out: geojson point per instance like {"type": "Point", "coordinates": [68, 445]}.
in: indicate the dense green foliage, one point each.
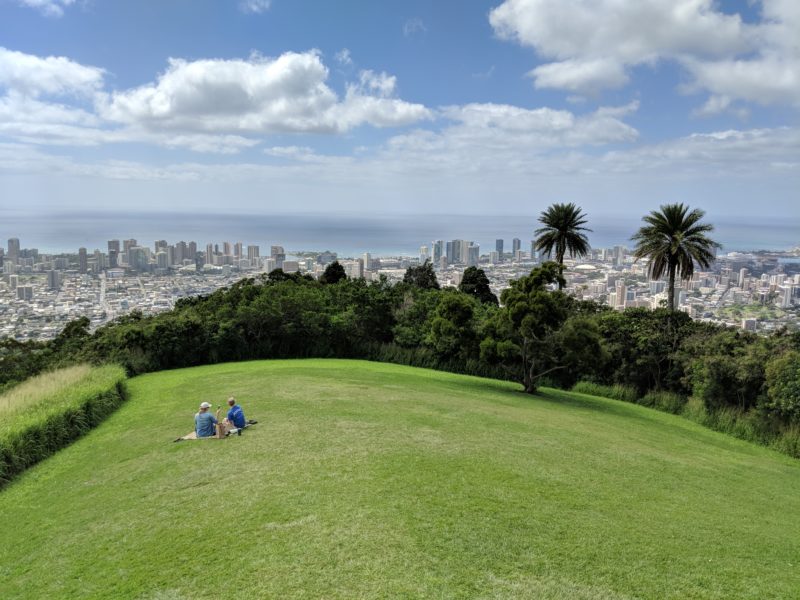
{"type": "Point", "coordinates": [474, 282]}
{"type": "Point", "coordinates": [367, 480]}
{"type": "Point", "coordinates": [53, 409]}
{"type": "Point", "coordinates": [538, 336]}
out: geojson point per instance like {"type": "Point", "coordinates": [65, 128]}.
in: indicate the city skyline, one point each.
{"type": "Point", "coordinates": [411, 108]}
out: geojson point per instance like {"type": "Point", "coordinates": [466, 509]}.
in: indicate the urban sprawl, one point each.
{"type": "Point", "coordinates": [40, 293]}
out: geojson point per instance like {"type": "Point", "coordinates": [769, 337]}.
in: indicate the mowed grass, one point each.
{"type": "Point", "coordinates": [366, 480]}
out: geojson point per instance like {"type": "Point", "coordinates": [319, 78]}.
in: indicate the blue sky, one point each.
{"type": "Point", "coordinates": [467, 107]}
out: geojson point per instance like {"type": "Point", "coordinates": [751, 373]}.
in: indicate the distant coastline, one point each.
{"type": "Point", "coordinates": [350, 234]}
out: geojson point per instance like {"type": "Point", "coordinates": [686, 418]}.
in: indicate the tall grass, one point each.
{"type": "Point", "coordinates": [49, 411]}
{"type": "Point", "coordinates": [39, 389]}
{"type": "Point", "coordinates": [616, 391]}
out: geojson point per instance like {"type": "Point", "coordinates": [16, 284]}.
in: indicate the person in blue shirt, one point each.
{"type": "Point", "coordinates": [236, 414]}
{"type": "Point", "coordinates": [205, 424]}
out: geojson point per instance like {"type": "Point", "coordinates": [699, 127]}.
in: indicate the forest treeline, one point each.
{"type": "Point", "coordinates": [537, 335]}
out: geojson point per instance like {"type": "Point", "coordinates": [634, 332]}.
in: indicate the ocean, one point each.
{"type": "Point", "coordinates": [349, 234]}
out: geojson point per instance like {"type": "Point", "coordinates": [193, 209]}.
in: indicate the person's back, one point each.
{"type": "Point", "coordinates": [236, 414]}
{"type": "Point", "coordinates": [204, 422]}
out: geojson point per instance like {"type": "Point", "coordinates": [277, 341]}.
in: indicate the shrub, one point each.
{"type": "Point", "coordinates": [788, 442]}
{"type": "Point", "coordinates": [664, 401]}
{"type": "Point", "coordinates": [616, 391]}
{"type": "Point", "coordinates": [695, 410]}
{"type": "Point", "coordinates": [51, 410]}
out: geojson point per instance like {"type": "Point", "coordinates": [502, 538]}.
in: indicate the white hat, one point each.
{"type": "Point", "coordinates": [205, 405]}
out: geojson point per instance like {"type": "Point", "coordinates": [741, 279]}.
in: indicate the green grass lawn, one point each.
{"type": "Point", "coordinates": [367, 480]}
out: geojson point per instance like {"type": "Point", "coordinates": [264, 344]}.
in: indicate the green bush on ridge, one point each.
{"type": "Point", "coordinates": [51, 410]}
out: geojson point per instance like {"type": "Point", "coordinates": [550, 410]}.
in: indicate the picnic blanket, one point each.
{"type": "Point", "coordinates": [222, 433]}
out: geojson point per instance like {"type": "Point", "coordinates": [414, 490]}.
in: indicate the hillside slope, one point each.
{"type": "Point", "coordinates": [375, 480]}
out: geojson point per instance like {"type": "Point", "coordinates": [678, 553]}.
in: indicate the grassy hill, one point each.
{"type": "Point", "coordinates": [376, 480]}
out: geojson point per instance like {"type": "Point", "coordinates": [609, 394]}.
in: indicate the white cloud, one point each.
{"type": "Point", "coordinates": [49, 8]}
{"type": "Point", "coordinates": [57, 75]}
{"type": "Point", "coordinates": [414, 26]}
{"type": "Point", "coordinates": [593, 44]}
{"type": "Point", "coordinates": [343, 57]}
{"type": "Point", "coordinates": [256, 7]}
{"type": "Point", "coordinates": [259, 95]}
{"type": "Point", "coordinates": [586, 76]}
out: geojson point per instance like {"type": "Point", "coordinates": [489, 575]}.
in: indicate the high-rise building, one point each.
{"type": "Point", "coordinates": [237, 250]}
{"type": "Point", "coordinates": [278, 254]}
{"type": "Point", "coordinates": [742, 276]}
{"type": "Point", "coordinates": [494, 257]}
{"type": "Point", "coordinates": [83, 263]}
{"type": "Point", "coordinates": [226, 249]}
{"type": "Point", "coordinates": [423, 254]}
{"type": "Point", "coordinates": [450, 252]}
{"type": "Point", "coordinates": [13, 281]}
{"type": "Point", "coordinates": [253, 253]}
{"type": "Point", "coordinates": [367, 259]}
{"type": "Point", "coordinates": [181, 251]}
{"type": "Point", "coordinates": [621, 293]}
{"type": "Point", "coordinates": [99, 262]}
{"type": "Point", "coordinates": [462, 251]}
{"type": "Point", "coordinates": [192, 250]}
{"type": "Point", "coordinates": [113, 254]}
{"type": "Point", "coordinates": [533, 251]}
{"type": "Point", "coordinates": [619, 256]}
{"type": "Point", "coordinates": [473, 255]}
{"type": "Point", "coordinates": [128, 244]}
{"type": "Point", "coordinates": [209, 254]}
{"type": "Point", "coordinates": [516, 244]}
{"type": "Point", "coordinates": [53, 279]}
{"type": "Point", "coordinates": [162, 260]}
{"type": "Point", "coordinates": [498, 247]}
{"type": "Point", "coordinates": [139, 258]}
{"type": "Point", "coordinates": [324, 258]}
{"type": "Point", "coordinates": [13, 249]}
{"type": "Point", "coordinates": [2, 256]}
{"type": "Point", "coordinates": [160, 246]}
{"type": "Point", "coordinates": [24, 292]}
{"type": "Point", "coordinates": [438, 251]}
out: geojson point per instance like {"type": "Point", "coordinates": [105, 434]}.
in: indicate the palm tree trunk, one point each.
{"type": "Point", "coordinates": [671, 288]}
{"type": "Point", "coordinates": [560, 261]}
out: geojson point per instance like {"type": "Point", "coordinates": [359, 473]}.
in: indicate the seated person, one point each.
{"type": "Point", "coordinates": [235, 414]}
{"type": "Point", "coordinates": [205, 424]}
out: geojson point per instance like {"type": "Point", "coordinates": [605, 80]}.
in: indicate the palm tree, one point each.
{"type": "Point", "coordinates": [674, 240]}
{"type": "Point", "coordinates": [562, 233]}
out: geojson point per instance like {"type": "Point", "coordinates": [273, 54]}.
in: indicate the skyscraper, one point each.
{"type": "Point", "coordinates": [498, 246]}
{"type": "Point", "coordinates": [278, 254]}
{"type": "Point", "coordinates": [13, 249]}
{"type": "Point", "coordinates": [209, 254]}
{"type": "Point", "coordinates": [516, 244]}
{"type": "Point", "coordinates": [53, 279]}
{"type": "Point", "coordinates": [226, 248]}
{"type": "Point", "coordinates": [128, 244]}
{"type": "Point", "coordinates": [113, 254]}
{"type": "Point", "coordinates": [473, 255]}
{"type": "Point", "coordinates": [181, 252]}
{"type": "Point", "coordinates": [237, 250]}
{"type": "Point", "coordinates": [83, 263]}
{"type": "Point", "coordinates": [253, 253]}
